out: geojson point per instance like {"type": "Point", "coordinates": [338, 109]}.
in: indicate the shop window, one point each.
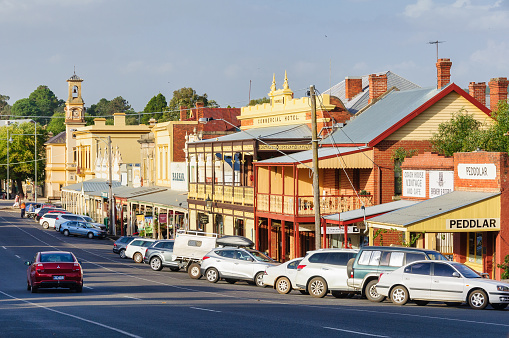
{"type": "Point", "coordinates": [475, 247]}
{"type": "Point", "coordinates": [239, 227]}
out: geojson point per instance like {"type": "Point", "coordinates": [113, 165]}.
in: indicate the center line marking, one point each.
{"type": "Point", "coordinates": [133, 298]}
{"type": "Point", "coordinates": [4, 247]}
{"type": "Point", "coordinates": [17, 256]}
{"type": "Point", "coordinates": [355, 332]}
{"type": "Point", "coordinates": [202, 309]}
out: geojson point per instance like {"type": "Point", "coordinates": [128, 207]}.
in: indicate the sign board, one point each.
{"type": "Point", "coordinates": [163, 218]}
{"type": "Point", "coordinates": [178, 176]}
{"type": "Point", "coordinates": [476, 171]}
{"type": "Point", "coordinates": [340, 230]}
{"type": "Point", "coordinates": [104, 194]}
{"type": "Point", "coordinates": [414, 183]}
{"type": "Point", "coordinates": [440, 182]}
{"type": "Point", "coordinates": [140, 222]}
{"type": "Point", "coordinates": [203, 218]}
{"type": "Point", "coordinates": [149, 224]}
{"type": "Point", "coordinates": [473, 224]}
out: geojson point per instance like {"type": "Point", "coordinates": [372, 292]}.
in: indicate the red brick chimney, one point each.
{"type": "Point", "coordinates": [443, 72]}
{"type": "Point", "coordinates": [498, 91]}
{"type": "Point", "coordinates": [199, 110]}
{"type": "Point", "coordinates": [377, 86]}
{"type": "Point", "coordinates": [183, 113]}
{"type": "Point", "coordinates": [353, 86]}
{"type": "Point", "coordinates": [478, 91]}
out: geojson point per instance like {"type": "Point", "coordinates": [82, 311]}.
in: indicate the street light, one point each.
{"type": "Point", "coordinates": [9, 140]}
{"type": "Point", "coordinates": [110, 176]}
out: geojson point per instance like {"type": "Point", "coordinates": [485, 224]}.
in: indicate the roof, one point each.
{"type": "Point", "coordinates": [361, 100]}
{"type": "Point", "coordinates": [127, 192]}
{"type": "Point", "coordinates": [91, 185]}
{"type": "Point", "coordinates": [20, 121]}
{"type": "Point", "coordinates": [164, 198]}
{"type": "Point", "coordinates": [218, 114]}
{"type": "Point", "coordinates": [432, 207]}
{"type": "Point", "coordinates": [307, 155]}
{"type": "Point", "coordinates": [301, 131]}
{"type": "Point", "coordinates": [75, 77]}
{"type": "Point", "coordinates": [369, 211]}
{"type": "Point", "coordinates": [60, 138]}
{"type": "Point", "coordinates": [392, 112]}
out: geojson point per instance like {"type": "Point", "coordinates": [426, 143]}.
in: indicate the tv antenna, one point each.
{"type": "Point", "coordinates": [436, 43]}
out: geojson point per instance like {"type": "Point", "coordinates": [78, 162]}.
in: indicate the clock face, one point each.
{"type": "Point", "coordinates": [75, 113]}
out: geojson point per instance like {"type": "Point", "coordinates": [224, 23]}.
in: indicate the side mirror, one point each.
{"type": "Point", "coordinates": [28, 263]}
{"type": "Point", "coordinates": [455, 274]}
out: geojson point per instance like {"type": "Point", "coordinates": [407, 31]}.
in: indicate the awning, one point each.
{"type": "Point", "coordinates": [458, 211]}
{"type": "Point", "coordinates": [358, 215]}
{"type": "Point", "coordinates": [170, 199]}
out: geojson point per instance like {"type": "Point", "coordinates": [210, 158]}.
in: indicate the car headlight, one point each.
{"type": "Point", "coordinates": [503, 288]}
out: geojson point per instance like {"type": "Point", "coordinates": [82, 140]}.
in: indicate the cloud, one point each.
{"type": "Point", "coordinates": [418, 9]}
{"type": "Point", "coordinates": [494, 55]}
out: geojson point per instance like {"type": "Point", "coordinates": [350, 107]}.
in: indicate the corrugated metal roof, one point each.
{"type": "Point", "coordinates": [307, 155]}
{"type": "Point", "coordinates": [165, 198]}
{"type": "Point", "coordinates": [361, 100]}
{"type": "Point", "coordinates": [370, 211]}
{"type": "Point", "coordinates": [381, 116]}
{"type": "Point", "coordinates": [432, 207]}
{"type": "Point", "coordinates": [94, 184]}
{"type": "Point", "coordinates": [301, 131]}
{"type": "Point", "coordinates": [127, 192]}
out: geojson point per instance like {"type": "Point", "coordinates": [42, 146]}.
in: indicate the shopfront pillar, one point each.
{"type": "Point", "coordinates": [283, 241]}
{"type": "Point", "coordinates": [269, 236]}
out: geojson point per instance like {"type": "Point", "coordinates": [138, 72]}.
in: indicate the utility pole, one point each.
{"type": "Point", "coordinates": [316, 182]}
{"type": "Point", "coordinates": [111, 221]}
{"type": "Point", "coordinates": [35, 161]}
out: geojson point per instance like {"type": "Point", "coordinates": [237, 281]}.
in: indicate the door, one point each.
{"type": "Point", "coordinates": [334, 271]}
{"type": "Point", "coordinates": [417, 279]}
{"type": "Point", "coordinates": [444, 285]}
{"type": "Point", "coordinates": [244, 265]}
{"type": "Point", "coordinates": [225, 263]}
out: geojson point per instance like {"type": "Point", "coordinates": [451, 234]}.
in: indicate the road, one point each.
{"type": "Point", "coordinates": [122, 298]}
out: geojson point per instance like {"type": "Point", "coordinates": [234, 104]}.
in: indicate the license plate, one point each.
{"type": "Point", "coordinates": [58, 277]}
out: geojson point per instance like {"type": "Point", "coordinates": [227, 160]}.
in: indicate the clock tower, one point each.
{"type": "Point", "coordinates": [74, 119]}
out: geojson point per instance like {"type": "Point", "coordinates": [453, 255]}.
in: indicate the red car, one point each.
{"type": "Point", "coordinates": [54, 269]}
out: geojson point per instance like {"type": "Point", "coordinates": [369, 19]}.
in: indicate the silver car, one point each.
{"type": "Point", "coordinates": [234, 264]}
{"type": "Point", "coordinates": [81, 229]}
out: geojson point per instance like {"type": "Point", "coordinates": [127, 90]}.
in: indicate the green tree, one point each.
{"type": "Point", "coordinates": [57, 123]}
{"type": "Point", "coordinates": [99, 109]}
{"type": "Point", "coordinates": [25, 108]}
{"type": "Point", "coordinates": [105, 108]}
{"type": "Point", "coordinates": [5, 108]}
{"type": "Point", "coordinates": [45, 100]}
{"type": "Point", "coordinates": [185, 97]}
{"type": "Point", "coordinates": [254, 102]}
{"type": "Point", "coordinates": [156, 104]}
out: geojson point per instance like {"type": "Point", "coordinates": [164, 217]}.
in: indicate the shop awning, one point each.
{"type": "Point", "coordinates": [357, 215]}
{"type": "Point", "coordinates": [170, 199]}
{"type": "Point", "coordinates": [458, 211]}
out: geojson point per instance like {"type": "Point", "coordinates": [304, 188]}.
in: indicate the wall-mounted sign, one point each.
{"type": "Point", "coordinates": [440, 183]}
{"type": "Point", "coordinates": [163, 218]}
{"type": "Point", "coordinates": [284, 147]}
{"type": "Point", "coordinates": [340, 229]}
{"type": "Point", "coordinates": [476, 171]}
{"type": "Point", "coordinates": [414, 183]}
{"type": "Point", "coordinates": [473, 224]}
{"type": "Point", "coordinates": [178, 176]}
{"type": "Point", "coordinates": [281, 119]}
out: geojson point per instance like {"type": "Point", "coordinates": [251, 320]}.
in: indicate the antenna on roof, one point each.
{"type": "Point", "coordinates": [436, 43]}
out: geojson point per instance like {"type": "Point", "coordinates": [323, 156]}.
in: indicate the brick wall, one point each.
{"type": "Point", "coordinates": [478, 91]}
{"type": "Point", "coordinates": [377, 86]}
{"type": "Point", "coordinates": [386, 237]}
{"type": "Point", "coordinates": [353, 86]}
{"type": "Point", "coordinates": [480, 157]}
{"type": "Point", "coordinates": [498, 91]}
{"type": "Point", "coordinates": [179, 140]}
{"type": "Point", "coordinates": [427, 161]}
{"type": "Point", "coordinates": [443, 72]}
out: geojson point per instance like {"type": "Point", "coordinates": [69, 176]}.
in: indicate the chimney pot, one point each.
{"type": "Point", "coordinates": [478, 91]}
{"type": "Point", "coordinates": [183, 113]}
{"type": "Point", "coordinates": [353, 86]}
{"type": "Point", "coordinates": [498, 91]}
{"type": "Point", "coordinates": [443, 72]}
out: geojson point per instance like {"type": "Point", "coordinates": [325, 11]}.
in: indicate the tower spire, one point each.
{"type": "Point", "coordinates": [273, 87]}
{"type": "Point", "coordinates": [285, 84]}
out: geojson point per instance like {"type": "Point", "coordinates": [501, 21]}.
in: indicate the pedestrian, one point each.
{"type": "Point", "coordinates": [23, 206]}
{"type": "Point", "coordinates": [16, 202]}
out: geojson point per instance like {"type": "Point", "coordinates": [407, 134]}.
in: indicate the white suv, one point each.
{"type": "Point", "coordinates": [325, 270]}
{"type": "Point", "coordinates": [62, 218]}
{"type": "Point", "coordinates": [136, 249]}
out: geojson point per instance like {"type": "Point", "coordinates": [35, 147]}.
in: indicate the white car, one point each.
{"type": "Point", "coordinates": [449, 282]}
{"type": "Point", "coordinates": [48, 220]}
{"type": "Point", "coordinates": [62, 218]}
{"type": "Point", "coordinates": [282, 277]}
{"type": "Point", "coordinates": [136, 249]}
{"type": "Point", "coordinates": [325, 270]}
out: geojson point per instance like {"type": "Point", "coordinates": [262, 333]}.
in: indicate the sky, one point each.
{"type": "Point", "coordinates": [230, 49]}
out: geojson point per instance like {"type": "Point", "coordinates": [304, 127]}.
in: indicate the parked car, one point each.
{"type": "Point", "coordinates": [45, 210]}
{"type": "Point", "coordinates": [324, 270]}
{"type": "Point", "coordinates": [120, 244]}
{"type": "Point", "coordinates": [30, 208]}
{"type": "Point", "coordinates": [62, 218]}
{"type": "Point", "coordinates": [449, 282]}
{"type": "Point", "coordinates": [48, 220]}
{"type": "Point", "coordinates": [81, 229]}
{"type": "Point", "coordinates": [159, 254]}
{"type": "Point", "coordinates": [363, 272]}
{"type": "Point", "coordinates": [54, 269]}
{"type": "Point", "coordinates": [233, 264]}
{"type": "Point", "coordinates": [136, 249]}
{"type": "Point", "coordinates": [282, 277]}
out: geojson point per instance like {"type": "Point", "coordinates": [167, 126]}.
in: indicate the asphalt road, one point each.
{"type": "Point", "coordinates": [122, 298]}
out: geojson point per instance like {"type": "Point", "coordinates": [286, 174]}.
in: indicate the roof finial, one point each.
{"type": "Point", "coordinates": [273, 87]}
{"type": "Point", "coordinates": [285, 85]}
{"type": "Point", "coordinates": [74, 69]}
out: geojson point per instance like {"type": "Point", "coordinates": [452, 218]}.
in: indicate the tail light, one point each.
{"type": "Point", "coordinates": [115, 245]}
{"type": "Point", "coordinates": [351, 273]}
{"type": "Point", "coordinates": [204, 258]}
{"type": "Point", "coordinates": [77, 267]}
{"type": "Point", "coordinates": [300, 267]}
{"type": "Point", "coordinates": [40, 267]}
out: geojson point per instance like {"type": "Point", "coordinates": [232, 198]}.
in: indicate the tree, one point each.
{"type": "Point", "coordinates": [5, 108]}
{"type": "Point", "coordinates": [57, 123]}
{"type": "Point", "coordinates": [41, 102]}
{"type": "Point", "coordinates": [156, 104]}
{"type": "Point", "coordinates": [25, 108]}
{"type": "Point", "coordinates": [254, 102]}
{"type": "Point", "coordinates": [185, 97]}
{"type": "Point", "coordinates": [107, 109]}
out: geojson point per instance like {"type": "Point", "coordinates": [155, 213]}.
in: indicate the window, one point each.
{"type": "Point", "coordinates": [137, 242]}
{"type": "Point", "coordinates": [443, 270]}
{"type": "Point", "coordinates": [365, 257]}
{"type": "Point", "coordinates": [414, 256]}
{"type": "Point", "coordinates": [419, 269]}
{"type": "Point", "coordinates": [475, 247]}
{"type": "Point", "coordinates": [375, 258]}
{"type": "Point", "coordinates": [466, 271]}
{"type": "Point", "coordinates": [194, 243]}
{"type": "Point", "coordinates": [293, 265]}
{"type": "Point", "coordinates": [397, 259]}
{"type": "Point", "coordinates": [226, 253]}
{"type": "Point", "coordinates": [320, 257]}
{"type": "Point", "coordinates": [339, 258]}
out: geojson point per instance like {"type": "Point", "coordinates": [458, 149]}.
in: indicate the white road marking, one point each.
{"type": "Point", "coordinates": [4, 247]}
{"type": "Point", "coordinates": [72, 316]}
{"type": "Point", "coordinates": [88, 287]}
{"type": "Point", "coordinates": [202, 309]}
{"type": "Point", "coordinates": [133, 298]}
{"type": "Point", "coordinates": [17, 256]}
{"type": "Point", "coordinates": [354, 332]}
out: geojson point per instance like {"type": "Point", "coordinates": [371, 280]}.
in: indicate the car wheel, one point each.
{"type": "Point", "coordinates": [194, 271]}
{"type": "Point", "coordinates": [122, 253]}
{"type": "Point", "coordinates": [259, 279]}
{"type": "Point", "coordinates": [138, 257]}
{"type": "Point", "coordinates": [371, 293]}
{"type": "Point", "coordinates": [90, 235]}
{"type": "Point", "coordinates": [499, 306]}
{"type": "Point", "coordinates": [174, 269]}
{"type": "Point", "coordinates": [34, 289]}
{"type": "Point", "coordinates": [478, 299]}
{"type": "Point", "coordinates": [79, 289]}
{"type": "Point", "coordinates": [212, 275]}
{"type": "Point", "coordinates": [283, 285]}
{"type": "Point", "coordinates": [230, 281]}
{"type": "Point", "coordinates": [399, 295]}
{"type": "Point", "coordinates": [45, 225]}
{"type": "Point", "coordinates": [339, 294]}
{"type": "Point", "coordinates": [304, 292]}
{"type": "Point", "coordinates": [317, 287]}
{"type": "Point", "coordinates": [155, 263]}
{"type": "Point", "coordinates": [421, 302]}
{"type": "Point", "coordinates": [66, 232]}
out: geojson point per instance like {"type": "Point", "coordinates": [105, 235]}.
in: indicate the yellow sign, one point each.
{"type": "Point", "coordinates": [284, 119]}
{"type": "Point", "coordinates": [473, 224]}
{"type": "Point", "coordinates": [285, 147]}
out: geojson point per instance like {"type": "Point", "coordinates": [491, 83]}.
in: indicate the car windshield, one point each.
{"type": "Point", "coordinates": [88, 219]}
{"type": "Point", "coordinates": [260, 257]}
{"type": "Point", "coordinates": [436, 256]}
{"type": "Point", "coordinates": [466, 271]}
{"type": "Point", "coordinates": [56, 257]}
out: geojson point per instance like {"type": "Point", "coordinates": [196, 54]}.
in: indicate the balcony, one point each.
{"type": "Point", "coordinates": [285, 205]}
{"type": "Point", "coordinates": [222, 193]}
